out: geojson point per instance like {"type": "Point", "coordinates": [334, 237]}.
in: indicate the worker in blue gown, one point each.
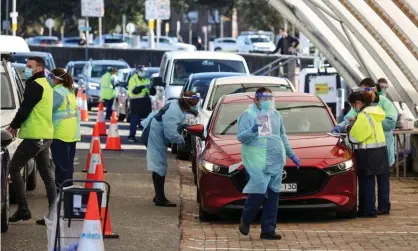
{"type": "Point", "coordinates": [389, 124]}
{"type": "Point", "coordinates": [165, 128]}
{"type": "Point", "coordinates": [264, 150]}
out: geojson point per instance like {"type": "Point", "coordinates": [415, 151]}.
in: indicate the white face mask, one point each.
{"type": "Point", "coordinates": [141, 74]}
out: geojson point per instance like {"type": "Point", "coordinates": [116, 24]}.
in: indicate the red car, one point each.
{"type": "Point", "coordinates": [326, 179]}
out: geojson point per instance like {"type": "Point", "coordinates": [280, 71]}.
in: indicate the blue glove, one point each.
{"type": "Point", "coordinates": [296, 161]}
{"type": "Point", "coordinates": [255, 128]}
{"type": "Point", "coordinates": [336, 129]}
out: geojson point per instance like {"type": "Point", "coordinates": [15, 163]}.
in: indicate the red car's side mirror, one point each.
{"type": "Point", "coordinates": [196, 130]}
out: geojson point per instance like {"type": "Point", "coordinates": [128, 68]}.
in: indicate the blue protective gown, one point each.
{"type": "Point", "coordinates": [161, 134]}
{"type": "Point", "coordinates": [263, 156]}
{"type": "Point", "coordinates": [389, 124]}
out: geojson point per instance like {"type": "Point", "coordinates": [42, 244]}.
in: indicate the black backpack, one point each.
{"type": "Point", "coordinates": [159, 117]}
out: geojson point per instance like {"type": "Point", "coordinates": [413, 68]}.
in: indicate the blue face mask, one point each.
{"type": "Point", "coordinates": [28, 73]}
{"type": "Point", "coordinates": [266, 105]}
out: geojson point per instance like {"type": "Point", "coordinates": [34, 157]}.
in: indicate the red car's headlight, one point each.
{"type": "Point", "coordinates": [340, 168]}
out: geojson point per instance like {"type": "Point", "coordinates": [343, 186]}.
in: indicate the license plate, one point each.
{"type": "Point", "coordinates": [289, 188]}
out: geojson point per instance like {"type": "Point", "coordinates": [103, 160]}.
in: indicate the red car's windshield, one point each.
{"type": "Point", "coordinates": [298, 117]}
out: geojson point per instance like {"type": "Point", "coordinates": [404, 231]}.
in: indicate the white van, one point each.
{"type": "Point", "coordinates": [177, 66]}
{"type": "Point", "coordinates": [13, 44]}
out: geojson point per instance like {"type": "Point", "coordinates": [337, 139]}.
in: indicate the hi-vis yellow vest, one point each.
{"type": "Point", "coordinates": [66, 119]}
{"type": "Point", "coordinates": [39, 123]}
{"type": "Point", "coordinates": [367, 131]}
{"type": "Point", "coordinates": [106, 87]}
{"type": "Point", "coordinates": [134, 82]}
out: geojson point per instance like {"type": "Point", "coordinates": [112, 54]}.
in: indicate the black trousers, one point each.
{"type": "Point", "coordinates": [63, 154]}
{"type": "Point", "coordinates": [28, 149]}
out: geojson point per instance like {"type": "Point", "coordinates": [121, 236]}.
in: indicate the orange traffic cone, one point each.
{"type": "Point", "coordinates": [83, 108]}
{"type": "Point", "coordinates": [91, 236]}
{"type": "Point", "coordinates": [94, 137]}
{"type": "Point", "coordinates": [80, 97]}
{"type": "Point", "coordinates": [101, 120]}
{"type": "Point", "coordinates": [105, 214]}
{"type": "Point", "coordinates": [94, 161]}
{"type": "Point", "coordinates": [113, 139]}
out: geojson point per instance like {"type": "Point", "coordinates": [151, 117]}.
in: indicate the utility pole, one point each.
{"type": "Point", "coordinates": [14, 18]}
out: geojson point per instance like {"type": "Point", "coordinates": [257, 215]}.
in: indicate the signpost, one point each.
{"type": "Point", "coordinates": [130, 27]}
{"type": "Point", "coordinates": [50, 23]}
{"type": "Point", "coordinates": [157, 10]}
{"type": "Point", "coordinates": [93, 8]}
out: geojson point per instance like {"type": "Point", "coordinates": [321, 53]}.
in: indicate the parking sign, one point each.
{"type": "Point", "coordinates": [157, 9]}
{"type": "Point", "coordinates": [92, 8]}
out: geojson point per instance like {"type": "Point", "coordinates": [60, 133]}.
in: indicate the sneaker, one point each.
{"type": "Point", "coordinates": [270, 236]}
{"type": "Point", "coordinates": [132, 140]}
{"type": "Point", "coordinates": [244, 228]}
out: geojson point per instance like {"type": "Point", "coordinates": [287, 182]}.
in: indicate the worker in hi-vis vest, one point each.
{"type": "Point", "coordinates": [139, 100]}
{"type": "Point", "coordinates": [34, 121]}
{"type": "Point", "coordinates": [107, 90]}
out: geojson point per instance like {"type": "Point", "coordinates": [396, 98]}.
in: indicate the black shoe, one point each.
{"type": "Point", "coordinates": [164, 203]}
{"type": "Point", "coordinates": [270, 236]}
{"type": "Point", "coordinates": [41, 222]}
{"type": "Point", "coordinates": [20, 214]}
{"type": "Point", "coordinates": [365, 215]}
{"type": "Point", "coordinates": [382, 212]}
{"type": "Point", "coordinates": [244, 228]}
{"type": "Point", "coordinates": [132, 140]}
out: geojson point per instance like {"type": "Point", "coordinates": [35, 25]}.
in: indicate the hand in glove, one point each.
{"type": "Point", "coordinates": [255, 127]}
{"type": "Point", "coordinates": [137, 90]}
{"type": "Point", "coordinates": [336, 129]}
{"type": "Point", "coordinates": [296, 161]}
{"type": "Point", "coordinates": [182, 127]}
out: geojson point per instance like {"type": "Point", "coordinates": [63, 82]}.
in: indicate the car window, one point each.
{"type": "Point", "coordinates": [222, 90]}
{"type": "Point", "coordinates": [298, 118]}
{"type": "Point", "coordinates": [185, 67]}
{"type": "Point", "coordinates": [229, 41]}
{"type": "Point", "coordinates": [48, 41]}
{"type": "Point", "coordinates": [7, 98]}
{"type": "Point", "coordinates": [200, 86]}
{"type": "Point", "coordinates": [78, 69]}
{"type": "Point", "coordinates": [113, 40]}
{"type": "Point", "coordinates": [259, 40]}
{"type": "Point", "coordinates": [99, 70]}
{"type": "Point", "coordinates": [73, 41]}
{"type": "Point", "coordinates": [22, 59]}
{"type": "Point", "coordinates": [19, 84]}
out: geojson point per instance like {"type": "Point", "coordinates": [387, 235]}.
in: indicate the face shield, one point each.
{"type": "Point", "coordinates": [193, 103]}
{"type": "Point", "coordinates": [265, 100]}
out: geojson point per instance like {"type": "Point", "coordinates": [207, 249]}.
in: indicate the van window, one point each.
{"type": "Point", "coordinates": [185, 67]}
{"type": "Point", "coordinates": [7, 98]}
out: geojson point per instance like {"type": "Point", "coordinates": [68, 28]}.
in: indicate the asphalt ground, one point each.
{"type": "Point", "coordinates": [140, 224]}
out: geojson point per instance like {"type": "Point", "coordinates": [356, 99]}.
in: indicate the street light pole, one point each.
{"type": "Point", "coordinates": [14, 19]}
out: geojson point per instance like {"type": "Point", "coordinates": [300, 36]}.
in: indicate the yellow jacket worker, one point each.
{"type": "Point", "coordinates": [66, 121]}
{"type": "Point", "coordinates": [368, 137]}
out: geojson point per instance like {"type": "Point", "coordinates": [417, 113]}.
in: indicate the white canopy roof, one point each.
{"type": "Point", "coordinates": [364, 38]}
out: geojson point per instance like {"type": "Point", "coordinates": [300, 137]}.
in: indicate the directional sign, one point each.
{"type": "Point", "coordinates": [192, 17]}
{"type": "Point", "coordinates": [157, 9]}
{"type": "Point", "coordinates": [92, 8]}
{"type": "Point", "coordinates": [50, 23]}
{"type": "Point", "coordinates": [130, 28]}
{"type": "Point", "coordinates": [84, 28]}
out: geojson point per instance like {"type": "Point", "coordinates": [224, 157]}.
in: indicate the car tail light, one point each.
{"type": "Point", "coordinates": [43, 43]}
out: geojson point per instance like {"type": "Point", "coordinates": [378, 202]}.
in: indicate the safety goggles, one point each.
{"type": "Point", "coordinates": [193, 97]}
{"type": "Point", "coordinates": [263, 96]}
{"type": "Point", "coordinates": [362, 89]}
{"type": "Point", "coordinates": [53, 76]}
